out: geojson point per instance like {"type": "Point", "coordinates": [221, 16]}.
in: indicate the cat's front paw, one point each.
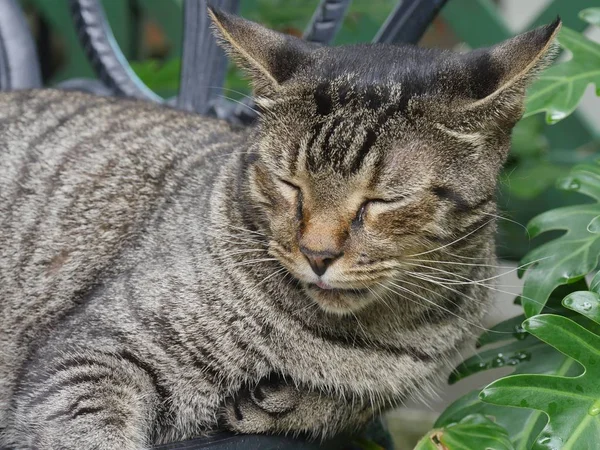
{"type": "Point", "coordinates": [258, 410]}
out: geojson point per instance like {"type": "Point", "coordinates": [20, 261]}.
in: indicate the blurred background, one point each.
{"type": "Point", "coordinates": [149, 33]}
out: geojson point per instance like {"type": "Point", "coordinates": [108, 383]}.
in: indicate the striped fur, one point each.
{"type": "Point", "coordinates": [152, 281]}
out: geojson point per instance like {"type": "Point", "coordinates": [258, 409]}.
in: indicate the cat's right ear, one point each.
{"type": "Point", "coordinates": [270, 58]}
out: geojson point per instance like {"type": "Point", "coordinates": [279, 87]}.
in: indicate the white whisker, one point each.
{"type": "Point", "coordinates": [256, 111]}
{"type": "Point", "coordinates": [453, 242]}
{"type": "Point", "coordinates": [491, 288]}
{"type": "Point", "coordinates": [372, 291]}
{"type": "Point", "coordinates": [277, 272]}
{"type": "Point", "coordinates": [456, 263]}
{"type": "Point", "coordinates": [497, 216]}
{"type": "Point", "coordinates": [251, 261]}
{"type": "Point", "coordinates": [439, 294]}
{"type": "Point", "coordinates": [442, 308]}
{"type": "Point", "coordinates": [224, 255]}
{"type": "Point", "coordinates": [469, 281]}
{"type": "Point", "coordinates": [246, 230]}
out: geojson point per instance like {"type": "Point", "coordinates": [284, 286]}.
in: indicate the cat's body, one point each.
{"type": "Point", "coordinates": [125, 240]}
{"type": "Point", "coordinates": [141, 302]}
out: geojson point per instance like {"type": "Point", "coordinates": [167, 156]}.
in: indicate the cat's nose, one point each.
{"type": "Point", "coordinates": [320, 260]}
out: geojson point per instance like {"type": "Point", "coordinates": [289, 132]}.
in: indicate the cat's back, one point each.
{"type": "Point", "coordinates": [79, 177]}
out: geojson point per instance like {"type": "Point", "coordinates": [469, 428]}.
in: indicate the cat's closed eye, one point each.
{"type": "Point", "coordinates": [293, 194]}
{"type": "Point", "coordinates": [375, 205]}
{"type": "Point", "coordinates": [289, 189]}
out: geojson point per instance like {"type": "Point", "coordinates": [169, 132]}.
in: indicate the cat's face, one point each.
{"type": "Point", "coordinates": [353, 191]}
{"type": "Point", "coordinates": [370, 158]}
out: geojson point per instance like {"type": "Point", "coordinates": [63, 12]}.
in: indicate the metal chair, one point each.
{"type": "Point", "coordinates": [203, 65]}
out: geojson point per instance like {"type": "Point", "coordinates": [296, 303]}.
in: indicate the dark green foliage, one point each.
{"type": "Point", "coordinates": [554, 390]}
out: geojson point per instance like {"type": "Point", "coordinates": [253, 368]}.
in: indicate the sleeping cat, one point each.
{"type": "Point", "coordinates": [163, 275]}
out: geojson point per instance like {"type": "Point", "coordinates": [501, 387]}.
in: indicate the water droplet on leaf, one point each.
{"type": "Point", "coordinates": [555, 116]}
{"type": "Point", "coordinates": [586, 306]}
{"type": "Point", "coordinates": [551, 442]}
{"type": "Point", "coordinates": [499, 361]}
{"type": "Point", "coordinates": [520, 333]}
{"type": "Point", "coordinates": [594, 409]}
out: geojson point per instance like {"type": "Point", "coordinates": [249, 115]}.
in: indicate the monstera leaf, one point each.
{"type": "Point", "coordinates": [472, 432]}
{"type": "Point", "coordinates": [513, 346]}
{"type": "Point", "coordinates": [572, 404]}
{"type": "Point", "coordinates": [571, 256]}
{"type": "Point", "coordinates": [560, 88]}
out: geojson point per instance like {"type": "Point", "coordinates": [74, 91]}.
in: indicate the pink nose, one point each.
{"type": "Point", "coordinates": [319, 260]}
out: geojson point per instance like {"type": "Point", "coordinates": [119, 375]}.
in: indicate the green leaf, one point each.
{"type": "Point", "coordinates": [573, 255]}
{"type": "Point", "coordinates": [545, 359]}
{"type": "Point", "coordinates": [509, 329]}
{"type": "Point", "coordinates": [472, 432]}
{"type": "Point", "coordinates": [523, 425]}
{"type": "Point", "coordinates": [560, 88]}
{"type": "Point", "coordinates": [532, 356]}
{"type": "Point", "coordinates": [527, 355]}
{"type": "Point", "coordinates": [572, 404]}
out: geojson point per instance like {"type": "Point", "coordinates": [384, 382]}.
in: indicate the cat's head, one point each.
{"type": "Point", "coordinates": [371, 156]}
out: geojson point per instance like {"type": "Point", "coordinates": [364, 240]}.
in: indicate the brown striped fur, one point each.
{"type": "Point", "coordinates": [155, 266]}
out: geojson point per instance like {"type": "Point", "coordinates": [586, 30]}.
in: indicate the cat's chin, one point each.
{"type": "Point", "coordinates": [339, 301]}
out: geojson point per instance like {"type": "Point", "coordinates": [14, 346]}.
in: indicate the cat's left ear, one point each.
{"type": "Point", "coordinates": [499, 75]}
{"type": "Point", "coordinates": [269, 57]}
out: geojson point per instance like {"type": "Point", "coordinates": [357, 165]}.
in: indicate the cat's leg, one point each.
{"type": "Point", "coordinates": [85, 399]}
{"type": "Point", "coordinates": [275, 406]}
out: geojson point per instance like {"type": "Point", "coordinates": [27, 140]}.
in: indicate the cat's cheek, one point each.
{"type": "Point", "coordinates": [262, 190]}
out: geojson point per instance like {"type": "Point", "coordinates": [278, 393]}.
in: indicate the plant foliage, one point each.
{"type": "Point", "coordinates": [551, 400]}
{"type": "Point", "coordinates": [574, 254]}
{"type": "Point", "coordinates": [560, 88]}
{"type": "Point", "coordinates": [572, 404]}
{"type": "Point", "coordinates": [512, 346]}
{"type": "Point", "coordinates": [472, 432]}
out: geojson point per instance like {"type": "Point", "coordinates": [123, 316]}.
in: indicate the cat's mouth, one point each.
{"type": "Point", "coordinates": [321, 286]}
{"type": "Point", "coordinates": [336, 300]}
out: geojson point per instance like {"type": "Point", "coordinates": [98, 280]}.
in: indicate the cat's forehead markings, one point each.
{"type": "Point", "coordinates": [348, 90]}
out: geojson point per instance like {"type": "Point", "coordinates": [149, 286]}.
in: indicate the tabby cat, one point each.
{"type": "Point", "coordinates": [163, 275]}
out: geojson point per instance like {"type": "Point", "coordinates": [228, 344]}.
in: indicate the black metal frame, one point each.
{"type": "Point", "coordinates": [203, 69]}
